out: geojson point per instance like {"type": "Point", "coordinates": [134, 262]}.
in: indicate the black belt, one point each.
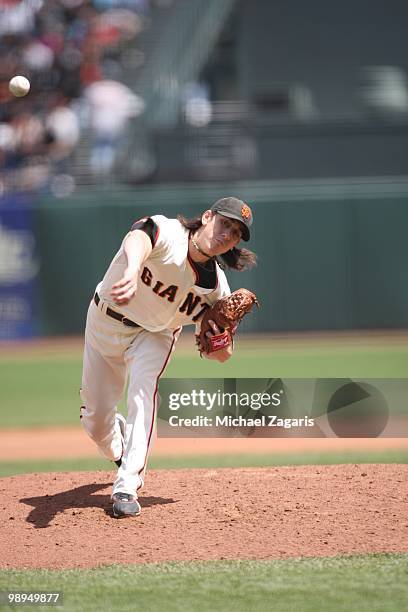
{"type": "Point", "coordinates": [116, 315]}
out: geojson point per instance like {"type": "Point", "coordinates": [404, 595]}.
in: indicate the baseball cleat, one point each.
{"type": "Point", "coordinates": [124, 505]}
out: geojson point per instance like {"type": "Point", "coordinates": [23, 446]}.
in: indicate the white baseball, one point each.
{"type": "Point", "coordinates": [19, 86]}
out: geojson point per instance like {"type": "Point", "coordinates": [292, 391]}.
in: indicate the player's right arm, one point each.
{"type": "Point", "coordinates": [137, 247]}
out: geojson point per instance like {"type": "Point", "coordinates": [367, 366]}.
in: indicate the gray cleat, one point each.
{"type": "Point", "coordinates": [124, 505]}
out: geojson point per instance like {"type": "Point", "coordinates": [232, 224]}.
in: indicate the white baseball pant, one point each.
{"type": "Point", "coordinates": [114, 353]}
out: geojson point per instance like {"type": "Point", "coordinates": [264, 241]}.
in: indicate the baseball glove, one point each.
{"type": "Point", "coordinates": [227, 313]}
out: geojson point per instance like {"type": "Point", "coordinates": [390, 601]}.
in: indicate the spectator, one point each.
{"type": "Point", "coordinates": [63, 132]}
{"type": "Point", "coordinates": [107, 126]}
{"type": "Point", "coordinates": [61, 46]}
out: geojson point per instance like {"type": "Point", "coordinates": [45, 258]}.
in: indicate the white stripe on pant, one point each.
{"type": "Point", "coordinates": [112, 353]}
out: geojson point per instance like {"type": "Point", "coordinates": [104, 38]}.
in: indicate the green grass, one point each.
{"type": "Point", "coordinates": [355, 583]}
{"type": "Point", "coordinates": [316, 361]}
{"type": "Point", "coordinates": [208, 461]}
{"type": "Point", "coordinates": [40, 390]}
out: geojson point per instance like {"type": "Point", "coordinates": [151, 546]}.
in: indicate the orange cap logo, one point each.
{"type": "Point", "coordinates": [245, 212]}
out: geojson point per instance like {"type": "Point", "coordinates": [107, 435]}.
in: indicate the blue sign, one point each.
{"type": "Point", "coordinates": [19, 268]}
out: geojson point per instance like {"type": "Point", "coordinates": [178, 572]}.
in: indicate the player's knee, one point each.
{"type": "Point", "coordinates": [96, 428]}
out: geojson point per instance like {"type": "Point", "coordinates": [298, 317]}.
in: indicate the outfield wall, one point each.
{"type": "Point", "coordinates": [332, 254]}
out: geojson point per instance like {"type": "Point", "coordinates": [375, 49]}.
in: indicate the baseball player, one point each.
{"type": "Point", "coordinates": [166, 273]}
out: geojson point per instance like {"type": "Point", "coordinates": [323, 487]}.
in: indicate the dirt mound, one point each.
{"type": "Point", "coordinates": [64, 520]}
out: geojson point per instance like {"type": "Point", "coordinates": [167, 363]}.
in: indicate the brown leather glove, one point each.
{"type": "Point", "coordinates": [227, 313]}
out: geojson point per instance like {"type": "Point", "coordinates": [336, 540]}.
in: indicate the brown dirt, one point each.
{"type": "Point", "coordinates": [64, 520]}
{"type": "Point", "coordinates": [72, 442]}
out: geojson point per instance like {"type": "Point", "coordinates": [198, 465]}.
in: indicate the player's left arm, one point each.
{"type": "Point", "coordinates": [222, 354]}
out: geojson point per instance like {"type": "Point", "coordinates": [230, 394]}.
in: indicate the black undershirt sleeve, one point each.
{"type": "Point", "coordinates": [148, 226]}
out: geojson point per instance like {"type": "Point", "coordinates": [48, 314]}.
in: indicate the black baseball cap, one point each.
{"type": "Point", "coordinates": [235, 209]}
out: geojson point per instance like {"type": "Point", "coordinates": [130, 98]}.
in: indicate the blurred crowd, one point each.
{"type": "Point", "coordinates": [75, 53]}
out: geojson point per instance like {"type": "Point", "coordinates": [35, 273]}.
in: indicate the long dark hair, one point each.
{"type": "Point", "coordinates": [235, 259]}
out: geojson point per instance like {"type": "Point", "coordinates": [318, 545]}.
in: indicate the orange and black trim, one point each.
{"type": "Point", "coordinates": [148, 226]}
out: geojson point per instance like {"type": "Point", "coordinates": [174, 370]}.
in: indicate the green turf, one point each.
{"type": "Point", "coordinates": [208, 461]}
{"type": "Point", "coordinates": [44, 390]}
{"type": "Point", "coordinates": [303, 362]}
{"type": "Point", "coordinates": [39, 392]}
{"type": "Point", "coordinates": [355, 583]}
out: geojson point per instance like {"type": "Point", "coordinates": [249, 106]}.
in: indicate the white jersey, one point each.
{"type": "Point", "coordinates": [172, 290]}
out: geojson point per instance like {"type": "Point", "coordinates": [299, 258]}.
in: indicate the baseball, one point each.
{"type": "Point", "coordinates": [19, 86]}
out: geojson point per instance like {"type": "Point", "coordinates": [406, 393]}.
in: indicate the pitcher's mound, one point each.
{"type": "Point", "coordinates": [65, 520]}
